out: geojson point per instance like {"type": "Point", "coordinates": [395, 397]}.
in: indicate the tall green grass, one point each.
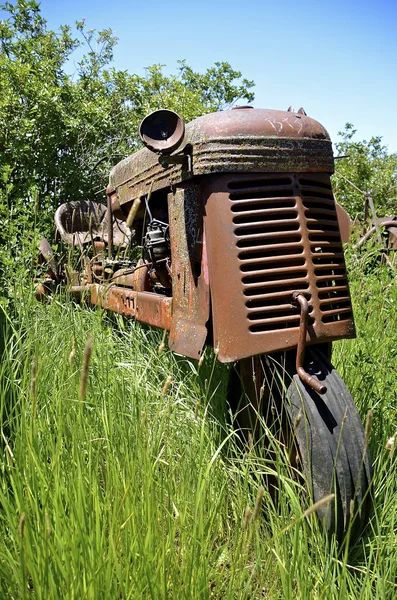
{"type": "Point", "coordinates": [138, 486]}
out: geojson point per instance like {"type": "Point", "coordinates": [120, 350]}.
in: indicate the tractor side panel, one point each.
{"type": "Point", "coordinates": [190, 285]}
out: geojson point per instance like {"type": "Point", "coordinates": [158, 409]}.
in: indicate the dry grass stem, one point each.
{"type": "Point", "coordinates": [162, 343]}
{"type": "Point", "coordinates": [7, 445]}
{"type": "Point", "coordinates": [166, 385]}
{"type": "Point", "coordinates": [258, 503]}
{"type": "Point", "coordinates": [319, 504]}
{"type": "Point", "coordinates": [48, 525]}
{"type": "Point", "coordinates": [390, 444]}
{"type": "Point", "coordinates": [33, 383]}
{"type": "Point", "coordinates": [85, 368]}
{"type": "Point", "coordinates": [34, 378]}
{"type": "Point", "coordinates": [71, 355]}
{"type": "Point", "coordinates": [250, 442]}
{"type": "Point", "coordinates": [201, 359]}
{"type": "Point", "coordinates": [36, 203]}
{"type": "Point", "coordinates": [136, 205]}
{"type": "Point", "coordinates": [246, 518]}
{"type": "Point", "coordinates": [21, 526]}
{"type": "Point", "coordinates": [368, 424]}
{"type": "Point", "coordinates": [351, 509]}
{"type": "Point", "coordinates": [297, 421]}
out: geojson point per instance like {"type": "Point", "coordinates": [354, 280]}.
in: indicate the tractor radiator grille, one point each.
{"type": "Point", "coordinates": [288, 240]}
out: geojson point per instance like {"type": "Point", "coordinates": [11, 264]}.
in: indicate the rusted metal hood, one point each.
{"type": "Point", "coordinates": [256, 123]}
{"type": "Point", "coordinates": [242, 139]}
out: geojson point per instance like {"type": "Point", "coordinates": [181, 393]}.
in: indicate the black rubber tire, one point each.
{"type": "Point", "coordinates": [326, 430]}
{"type": "Point", "coordinates": [332, 448]}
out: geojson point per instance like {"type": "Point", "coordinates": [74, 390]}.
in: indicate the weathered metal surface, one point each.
{"type": "Point", "coordinates": [135, 278]}
{"type": "Point", "coordinates": [190, 285]}
{"type": "Point", "coordinates": [392, 238]}
{"type": "Point", "coordinates": [345, 223]}
{"type": "Point", "coordinates": [83, 222]}
{"type": "Point", "coordinates": [313, 382]}
{"type": "Point", "coordinates": [47, 282]}
{"type": "Point", "coordinates": [390, 223]}
{"type": "Point", "coordinates": [268, 236]}
{"type": "Point", "coordinates": [46, 257]}
{"type": "Point", "coordinates": [231, 141]}
{"type": "Point", "coordinates": [117, 210]}
{"type": "Point", "coordinates": [146, 307]}
{"type": "Point", "coordinates": [162, 131]}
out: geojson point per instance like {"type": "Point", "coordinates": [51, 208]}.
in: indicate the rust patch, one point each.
{"type": "Point", "coordinates": [146, 307]}
{"type": "Point", "coordinates": [190, 287]}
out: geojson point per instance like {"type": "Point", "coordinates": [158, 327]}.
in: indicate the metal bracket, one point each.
{"type": "Point", "coordinates": [182, 158]}
{"type": "Point", "coordinates": [313, 382]}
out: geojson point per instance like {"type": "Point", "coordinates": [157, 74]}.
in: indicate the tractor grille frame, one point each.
{"type": "Point", "coordinates": [282, 235]}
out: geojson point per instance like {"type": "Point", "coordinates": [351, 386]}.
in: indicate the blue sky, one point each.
{"type": "Point", "coordinates": [336, 59]}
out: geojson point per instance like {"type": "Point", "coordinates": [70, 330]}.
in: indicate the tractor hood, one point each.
{"type": "Point", "coordinates": [239, 140]}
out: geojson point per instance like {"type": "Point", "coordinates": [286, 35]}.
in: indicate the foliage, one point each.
{"type": "Point", "coordinates": [371, 169]}
{"type": "Point", "coordinates": [60, 134]}
{"type": "Point", "coordinates": [54, 128]}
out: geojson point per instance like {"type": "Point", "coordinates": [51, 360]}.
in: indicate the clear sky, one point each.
{"type": "Point", "coordinates": [336, 59]}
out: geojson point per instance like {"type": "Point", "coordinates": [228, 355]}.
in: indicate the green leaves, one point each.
{"type": "Point", "coordinates": [216, 85]}
{"type": "Point", "coordinates": [370, 167]}
{"type": "Point", "coordinates": [54, 128]}
{"type": "Point", "coordinates": [60, 135]}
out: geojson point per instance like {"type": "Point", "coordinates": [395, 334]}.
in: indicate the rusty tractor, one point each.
{"type": "Point", "coordinates": [226, 233]}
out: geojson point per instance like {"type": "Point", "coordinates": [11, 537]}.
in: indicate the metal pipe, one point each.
{"type": "Point", "coordinates": [133, 212]}
{"type": "Point", "coordinates": [313, 382]}
{"type": "Point", "coordinates": [387, 224]}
